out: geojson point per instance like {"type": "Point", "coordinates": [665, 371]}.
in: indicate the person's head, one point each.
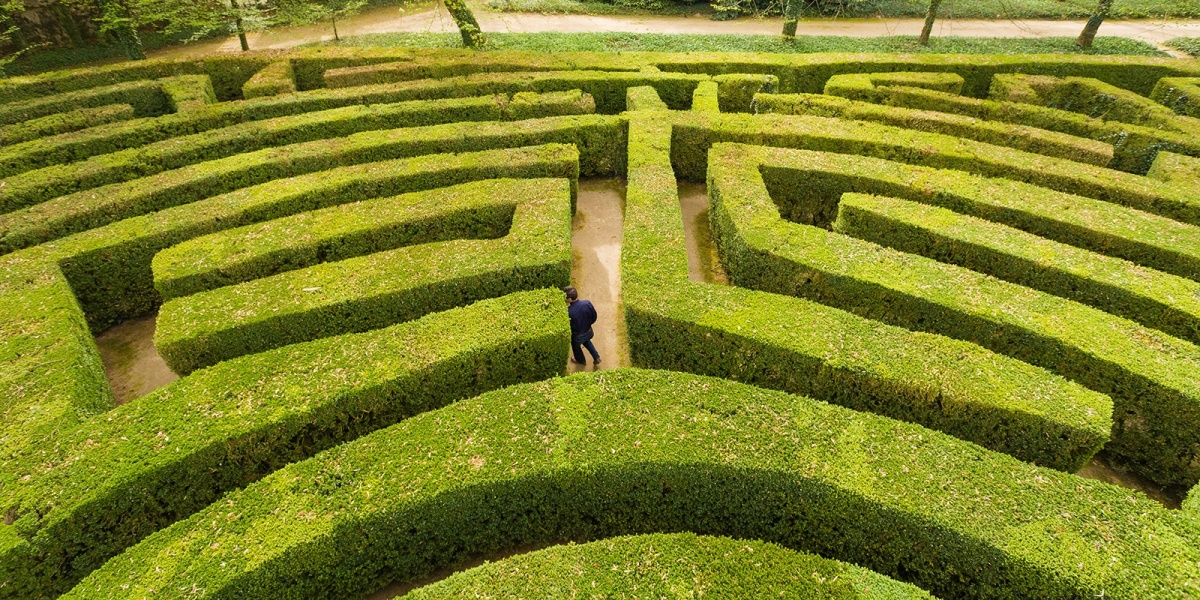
{"type": "Point", "coordinates": [572, 294]}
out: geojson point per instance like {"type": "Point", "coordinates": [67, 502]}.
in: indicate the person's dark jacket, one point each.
{"type": "Point", "coordinates": [583, 315]}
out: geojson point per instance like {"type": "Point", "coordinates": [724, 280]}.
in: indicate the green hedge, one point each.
{"type": "Point", "coordinates": [695, 132]}
{"type": "Point", "coordinates": [377, 290]}
{"type": "Point", "coordinates": [109, 164]}
{"type": "Point", "coordinates": [442, 67]}
{"type": "Point", "coordinates": [706, 98]}
{"type": "Point", "coordinates": [1152, 298]}
{"type": "Point", "coordinates": [272, 80]}
{"type": "Point", "coordinates": [645, 98]}
{"type": "Point", "coordinates": [607, 87]}
{"type": "Point", "coordinates": [600, 139]}
{"type": "Point", "coordinates": [1156, 400]}
{"type": "Point", "coordinates": [110, 267]}
{"type": "Point", "coordinates": [228, 74]}
{"type": "Point", "coordinates": [146, 98]}
{"type": "Point", "coordinates": [806, 348]}
{"type": "Point", "coordinates": [1088, 97]}
{"type": "Point", "coordinates": [336, 233]}
{"type": "Point", "coordinates": [179, 449]}
{"type": "Point", "coordinates": [665, 565]}
{"type": "Point", "coordinates": [1176, 168]}
{"type": "Point", "coordinates": [1102, 227]}
{"type": "Point", "coordinates": [1019, 137]}
{"type": "Point", "coordinates": [50, 125]}
{"type": "Point", "coordinates": [49, 366]}
{"type": "Point", "coordinates": [584, 458]}
{"type": "Point", "coordinates": [188, 93]}
{"type": "Point", "coordinates": [1134, 146]}
{"type": "Point", "coordinates": [1181, 95]}
{"type": "Point", "coordinates": [864, 86]}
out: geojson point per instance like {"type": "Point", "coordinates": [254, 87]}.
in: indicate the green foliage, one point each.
{"type": "Point", "coordinates": [585, 458]}
{"type": "Point", "coordinates": [1019, 137]}
{"type": "Point", "coordinates": [1157, 407]}
{"type": "Point", "coordinates": [146, 97]}
{"type": "Point", "coordinates": [65, 122]}
{"type": "Point", "coordinates": [1181, 95]}
{"type": "Point", "coordinates": [274, 79]}
{"type": "Point", "coordinates": [1153, 298]}
{"type": "Point", "coordinates": [381, 287]}
{"type": "Point", "coordinates": [141, 148]}
{"type": "Point", "coordinates": [827, 353]}
{"type": "Point", "coordinates": [164, 457]}
{"type": "Point", "coordinates": [1183, 44]}
{"type": "Point", "coordinates": [1134, 146]}
{"type": "Point", "coordinates": [600, 137]}
{"type": "Point", "coordinates": [188, 93]}
{"type": "Point", "coordinates": [660, 565]}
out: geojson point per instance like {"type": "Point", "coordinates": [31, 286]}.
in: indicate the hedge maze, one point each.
{"type": "Point", "coordinates": [953, 282]}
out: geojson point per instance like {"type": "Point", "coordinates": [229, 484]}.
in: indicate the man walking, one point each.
{"type": "Point", "coordinates": [583, 315]}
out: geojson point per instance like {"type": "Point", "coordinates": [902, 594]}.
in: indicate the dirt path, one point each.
{"type": "Point", "coordinates": [596, 269]}
{"type": "Point", "coordinates": [435, 19]}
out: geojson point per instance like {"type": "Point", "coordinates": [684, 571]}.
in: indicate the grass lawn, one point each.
{"type": "Point", "coordinates": [662, 42]}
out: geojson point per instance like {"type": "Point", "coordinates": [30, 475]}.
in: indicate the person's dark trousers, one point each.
{"type": "Point", "coordinates": [579, 342]}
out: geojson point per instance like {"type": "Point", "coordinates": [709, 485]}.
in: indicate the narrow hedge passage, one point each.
{"type": "Point", "coordinates": [628, 451]}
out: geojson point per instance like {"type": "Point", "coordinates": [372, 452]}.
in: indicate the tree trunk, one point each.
{"type": "Point", "coordinates": [333, 19]}
{"type": "Point", "coordinates": [472, 35]}
{"type": "Point", "coordinates": [1103, 8]}
{"type": "Point", "coordinates": [791, 15]}
{"type": "Point", "coordinates": [930, 17]}
{"type": "Point", "coordinates": [237, 24]}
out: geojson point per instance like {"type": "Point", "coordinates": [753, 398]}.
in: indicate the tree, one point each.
{"type": "Point", "coordinates": [300, 12]}
{"type": "Point", "coordinates": [9, 32]}
{"type": "Point", "coordinates": [119, 18]}
{"type": "Point", "coordinates": [930, 17]}
{"type": "Point", "coordinates": [472, 35]}
{"type": "Point", "coordinates": [791, 16]}
{"type": "Point", "coordinates": [1103, 8]}
{"type": "Point", "coordinates": [202, 17]}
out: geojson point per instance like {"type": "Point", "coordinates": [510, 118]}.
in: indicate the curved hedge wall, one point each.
{"type": "Point", "coordinates": [665, 565]}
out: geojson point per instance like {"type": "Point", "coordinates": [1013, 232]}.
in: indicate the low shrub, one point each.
{"type": "Point", "coordinates": [1019, 137]}
{"type": "Point", "coordinates": [706, 98]}
{"type": "Point", "coordinates": [146, 98]}
{"type": "Point", "coordinates": [272, 80]}
{"type": "Point", "coordinates": [110, 267]}
{"type": "Point", "coordinates": [60, 174]}
{"type": "Point", "coordinates": [179, 449]}
{"type": "Point", "coordinates": [1134, 146]}
{"type": "Point", "coordinates": [807, 186]}
{"type": "Point", "coordinates": [1181, 95]}
{"type": "Point", "coordinates": [600, 139]}
{"type": "Point", "coordinates": [1175, 168]}
{"type": "Point", "coordinates": [1152, 298]}
{"type": "Point", "coordinates": [1091, 98]}
{"type": "Point", "coordinates": [377, 290]}
{"type": "Point", "coordinates": [584, 458]}
{"type": "Point", "coordinates": [864, 86]}
{"type": "Point", "coordinates": [695, 132]}
{"type": "Point", "coordinates": [1157, 406]}
{"type": "Point", "coordinates": [659, 565]}
{"type": "Point", "coordinates": [50, 125]}
{"type": "Point", "coordinates": [188, 93]}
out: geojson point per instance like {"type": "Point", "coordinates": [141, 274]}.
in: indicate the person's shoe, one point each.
{"type": "Point", "coordinates": [596, 362]}
{"type": "Point", "coordinates": [575, 362]}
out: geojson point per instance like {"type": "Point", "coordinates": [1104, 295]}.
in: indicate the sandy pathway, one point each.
{"type": "Point", "coordinates": [393, 19]}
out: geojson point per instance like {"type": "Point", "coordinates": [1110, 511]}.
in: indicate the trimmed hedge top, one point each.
{"type": "Point", "coordinates": [631, 451]}
{"type": "Point", "coordinates": [669, 565]}
{"type": "Point", "coordinates": [533, 250]}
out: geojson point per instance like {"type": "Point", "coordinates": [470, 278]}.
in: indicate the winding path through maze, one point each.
{"type": "Point", "coordinates": [863, 319]}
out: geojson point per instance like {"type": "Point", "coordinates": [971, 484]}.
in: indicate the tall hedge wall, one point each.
{"type": "Point", "coordinates": [584, 458]}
